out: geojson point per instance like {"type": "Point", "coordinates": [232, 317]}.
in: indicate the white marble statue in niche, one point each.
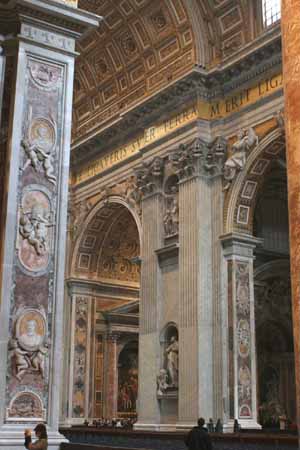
{"type": "Point", "coordinates": [247, 139]}
{"type": "Point", "coordinates": [162, 382]}
{"type": "Point", "coordinates": [172, 362]}
{"type": "Point", "coordinates": [171, 216]}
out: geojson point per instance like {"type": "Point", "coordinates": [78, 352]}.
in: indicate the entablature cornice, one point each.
{"type": "Point", "coordinates": [91, 288]}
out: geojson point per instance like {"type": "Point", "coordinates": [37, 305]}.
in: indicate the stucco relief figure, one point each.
{"type": "Point", "coordinates": [162, 382]}
{"type": "Point", "coordinates": [240, 149]}
{"type": "Point", "coordinates": [172, 362]}
{"type": "Point", "coordinates": [33, 227]}
{"type": "Point", "coordinates": [37, 158]}
{"type": "Point", "coordinates": [28, 347]}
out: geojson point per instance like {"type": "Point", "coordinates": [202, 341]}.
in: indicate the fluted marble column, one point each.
{"type": "Point", "coordinates": [198, 167]}
{"type": "Point", "coordinates": [39, 41]}
{"type": "Point", "coordinates": [149, 344]}
{"type": "Point", "coordinates": [242, 377]}
{"type": "Point", "coordinates": [290, 23]}
{"type": "Point", "coordinates": [195, 285]}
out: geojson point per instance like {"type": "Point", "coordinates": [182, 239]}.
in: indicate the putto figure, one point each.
{"type": "Point", "coordinates": [247, 139]}
{"type": "Point", "coordinates": [33, 227]}
{"type": "Point", "coordinates": [38, 158]}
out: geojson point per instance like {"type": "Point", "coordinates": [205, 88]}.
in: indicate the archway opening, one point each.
{"type": "Point", "coordinates": [106, 274]}
{"type": "Point", "coordinates": [273, 311]}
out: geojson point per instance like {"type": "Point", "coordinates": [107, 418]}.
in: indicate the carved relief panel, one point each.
{"type": "Point", "coordinates": [32, 296]}
{"type": "Point", "coordinates": [243, 339]}
{"type": "Point", "coordinates": [80, 351]}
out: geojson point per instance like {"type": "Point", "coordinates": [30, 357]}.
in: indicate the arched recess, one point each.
{"type": "Point", "coordinates": [104, 284]}
{"type": "Point", "coordinates": [88, 247]}
{"type": "Point", "coordinates": [274, 342]}
{"type": "Point", "coordinates": [128, 379]}
{"type": "Point", "coordinates": [241, 199]}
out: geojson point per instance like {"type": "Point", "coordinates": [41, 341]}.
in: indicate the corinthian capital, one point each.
{"type": "Point", "coordinates": [149, 176]}
{"type": "Point", "coordinates": [200, 158]}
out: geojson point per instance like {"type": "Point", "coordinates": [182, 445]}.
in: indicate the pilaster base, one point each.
{"type": "Point", "coordinates": [228, 427]}
{"type": "Point", "coordinates": [250, 424]}
{"type": "Point", "coordinates": [12, 438]}
{"type": "Point", "coordinates": [185, 425]}
{"type": "Point", "coordinates": [146, 426]}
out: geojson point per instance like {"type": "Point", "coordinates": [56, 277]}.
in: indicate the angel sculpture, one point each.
{"type": "Point", "coordinates": [236, 162]}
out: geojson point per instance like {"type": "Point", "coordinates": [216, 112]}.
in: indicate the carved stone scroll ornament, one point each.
{"type": "Point", "coordinates": [28, 346]}
{"type": "Point", "coordinates": [247, 139]}
{"type": "Point", "coordinates": [149, 176]}
{"type": "Point", "coordinates": [200, 158]}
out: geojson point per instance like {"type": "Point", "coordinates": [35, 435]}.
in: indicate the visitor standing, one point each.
{"type": "Point", "coordinates": [198, 438]}
{"type": "Point", "coordinates": [42, 438]}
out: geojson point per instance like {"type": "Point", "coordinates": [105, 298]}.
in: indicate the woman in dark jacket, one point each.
{"type": "Point", "coordinates": [42, 438]}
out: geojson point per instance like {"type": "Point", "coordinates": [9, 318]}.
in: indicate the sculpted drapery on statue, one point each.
{"type": "Point", "coordinates": [172, 362]}
{"type": "Point", "coordinates": [247, 139]}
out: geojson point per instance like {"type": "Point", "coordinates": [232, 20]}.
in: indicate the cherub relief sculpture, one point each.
{"type": "Point", "coordinates": [33, 227]}
{"type": "Point", "coordinates": [28, 347]}
{"type": "Point", "coordinates": [37, 158]}
{"type": "Point", "coordinates": [247, 139]}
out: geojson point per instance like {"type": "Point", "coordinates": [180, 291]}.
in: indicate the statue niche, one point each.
{"type": "Point", "coordinates": [171, 211]}
{"type": "Point", "coordinates": [167, 379]}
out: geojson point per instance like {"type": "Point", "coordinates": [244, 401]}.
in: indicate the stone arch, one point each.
{"type": "Point", "coordinates": [95, 229]}
{"type": "Point", "coordinates": [241, 199]}
{"type": "Point", "coordinates": [274, 335]}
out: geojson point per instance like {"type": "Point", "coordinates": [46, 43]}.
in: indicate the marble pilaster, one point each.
{"type": "Point", "coordinates": [40, 38]}
{"type": "Point", "coordinates": [200, 190]}
{"type": "Point", "coordinates": [111, 376]}
{"type": "Point", "coordinates": [290, 24]}
{"type": "Point", "coordinates": [149, 182]}
{"type": "Point", "coordinates": [241, 350]}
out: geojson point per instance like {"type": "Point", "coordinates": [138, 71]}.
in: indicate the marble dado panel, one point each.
{"type": "Point", "coordinates": [32, 296]}
{"type": "Point", "coordinates": [199, 110]}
